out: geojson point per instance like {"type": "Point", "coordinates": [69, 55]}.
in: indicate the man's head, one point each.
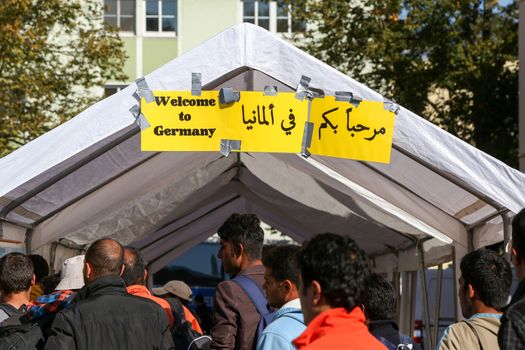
{"type": "Point", "coordinates": [378, 298]}
{"type": "Point", "coordinates": [134, 267]}
{"type": "Point", "coordinates": [282, 275]}
{"type": "Point", "coordinates": [518, 243]}
{"type": "Point", "coordinates": [40, 266]}
{"type": "Point", "coordinates": [241, 242]}
{"type": "Point", "coordinates": [16, 274]}
{"type": "Point", "coordinates": [104, 257]}
{"type": "Point", "coordinates": [333, 271]}
{"type": "Point", "coordinates": [485, 281]}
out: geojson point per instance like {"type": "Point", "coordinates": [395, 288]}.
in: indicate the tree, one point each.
{"type": "Point", "coordinates": [454, 62]}
{"type": "Point", "coordinates": [53, 53]}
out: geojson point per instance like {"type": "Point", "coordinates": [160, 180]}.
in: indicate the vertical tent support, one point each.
{"type": "Point", "coordinates": [425, 294]}
{"type": "Point", "coordinates": [437, 310]}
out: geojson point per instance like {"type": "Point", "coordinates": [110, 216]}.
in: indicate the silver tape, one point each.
{"type": "Point", "coordinates": [302, 88]}
{"type": "Point", "coordinates": [391, 106]}
{"type": "Point", "coordinates": [230, 145]}
{"type": "Point", "coordinates": [307, 139]}
{"type": "Point", "coordinates": [270, 90]}
{"type": "Point", "coordinates": [196, 84]}
{"type": "Point", "coordinates": [144, 91]}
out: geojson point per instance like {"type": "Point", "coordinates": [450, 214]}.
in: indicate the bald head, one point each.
{"type": "Point", "coordinates": [105, 258]}
{"type": "Point", "coordinates": [134, 267]}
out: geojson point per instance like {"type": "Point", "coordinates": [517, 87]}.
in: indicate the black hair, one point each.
{"type": "Point", "coordinates": [244, 229]}
{"type": "Point", "coordinates": [50, 282]}
{"type": "Point", "coordinates": [133, 267]}
{"type": "Point", "coordinates": [489, 274]}
{"type": "Point", "coordinates": [16, 273]}
{"type": "Point", "coordinates": [338, 265]}
{"type": "Point", "coordinates": [106, 257]}
{"type": "Point", "coordinates": [40, 266]}
{"type": "Point", "coordinates": [378, 298]}
{"type": "Point", "coordinates": [518, 233]}
{"type": "Point", "coordinates": [284, 262]}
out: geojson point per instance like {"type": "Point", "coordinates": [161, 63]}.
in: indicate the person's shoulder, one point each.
{"type": "Point", "coordinates": [516, 310]}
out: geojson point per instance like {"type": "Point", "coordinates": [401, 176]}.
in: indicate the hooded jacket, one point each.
{"type": "Point", "coordinates": [467, 335]}
{"type": "Point", "coordinates": [338, 329]}
{"type": "Point", "coordinates": [287, 324]}
{"type": "Point", "coordinates": [104, 316]}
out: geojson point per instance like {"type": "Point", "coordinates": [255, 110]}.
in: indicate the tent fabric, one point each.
{"type": "Point", "coordinates": [88, 178]}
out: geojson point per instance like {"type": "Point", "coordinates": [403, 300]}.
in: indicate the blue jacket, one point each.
{"type": "Point", "coordinates": [287, 325]}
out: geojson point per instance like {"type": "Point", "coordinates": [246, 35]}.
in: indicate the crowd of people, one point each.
{"type": "Point", "coordinates": [320, 295]}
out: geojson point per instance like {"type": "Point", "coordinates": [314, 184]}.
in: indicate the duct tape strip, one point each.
{"type": "Point", "coordinates": [230, 145]}
{"type": "Point", "coordinates": [144, 91]}
{"type": "Point", "coordinates": [140, 119]}
{"type": "Point", "coordinates": [345, 96]}
{"type": "Point", "coordinates": [307, 139]}
{"type": "Point", "coordinates": [196, 84]}
{"type": "Point", "coordinates": [356, 100]}
{"type": "Point", "coordinates": [391, 106]}
{"type": "Point", "coordinates": [228, 95]}
{"type": "Point", "coordinates": [270, 90]}
{"type": "Point", "coordinates": [136, 96]}
{"type": "Point", "coordinates": [302, 88]}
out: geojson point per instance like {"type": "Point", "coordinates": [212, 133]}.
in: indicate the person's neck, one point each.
{"type": "Point", "coordinates": [479, 307]}
{"type": "Point", "coordinates": [18, 299]}
{"type": "Point", "coordinates": [249, 263]}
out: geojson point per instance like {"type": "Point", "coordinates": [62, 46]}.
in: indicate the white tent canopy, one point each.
{"type": "Point", "coordinates": [88, 178]}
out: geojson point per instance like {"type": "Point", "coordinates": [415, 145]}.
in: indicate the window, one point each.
{"type": "Point", "coordinates": [112, 89]}
{"type": "Point", "coordinates": [276, 16]}
{"type": "Point", "coordinates": [120, 14]}
{"type": "Point", "coordinates": [161, 15]}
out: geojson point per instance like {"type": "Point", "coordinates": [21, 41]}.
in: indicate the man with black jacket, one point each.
{"type": "Point", "coordinates": [103, 315]}
{"type": "Point", "coordinates": [512, 330]}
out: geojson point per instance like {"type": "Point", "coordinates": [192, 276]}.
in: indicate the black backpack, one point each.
{"type": "Point", "coordinates": [15, 335]}
{"type": "Point", "coordinates": [184, 337]}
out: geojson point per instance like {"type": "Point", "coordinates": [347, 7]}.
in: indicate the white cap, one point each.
{"type": "Point", "coordinates": [71, 276]}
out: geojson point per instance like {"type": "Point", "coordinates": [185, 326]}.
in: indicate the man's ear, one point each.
{"type": "Point", "coordinates": [514, 257]}
{"type": "Point", "coordinates": [317, 292]}
{"type": "Point", "coordinates": [145, 275]}
{"type": "Point", "coordinates": [88, 270]}
{"type": "Point", "coordinates": [287, 286]}
{"type": "Point", "coordinates": [122, 270]}
{"type": "Point", "coordinates": [238, 250]}
{"type": "Point", "coordinates": [470, 291]}
{"type": "Point", "coordinates": [33, 280]}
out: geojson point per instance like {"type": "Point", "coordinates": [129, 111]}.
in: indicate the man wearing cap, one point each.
{"type": "Point", "coordinates": [181, 291]}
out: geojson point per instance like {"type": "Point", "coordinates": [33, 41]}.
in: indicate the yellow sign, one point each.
{"type": "Point", "coordinates": [345, 131]}
{"type": "Point", "coordinates": [182, 122]}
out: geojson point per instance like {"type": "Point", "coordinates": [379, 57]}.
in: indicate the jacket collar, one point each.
{"type": "Point", "coordinates": [336, 320]}
{"type": "Point", "coordinates": [102, 286]}
{"type": "Point", "coordinates": [138, 289]}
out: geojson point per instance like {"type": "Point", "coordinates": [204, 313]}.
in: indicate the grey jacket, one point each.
{"type": "Point", "coordinates": [467, 335]}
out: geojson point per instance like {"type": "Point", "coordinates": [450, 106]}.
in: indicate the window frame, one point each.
{"type": "Point", "coordinates": [119, 15]}
{"type": "Point", "coordinates": [273, 16]}
{"type": "Point", "coordinates": [160, 16]}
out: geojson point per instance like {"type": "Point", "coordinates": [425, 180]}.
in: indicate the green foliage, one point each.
{"type": "Point", "coordinates": [52, 52]}
{"type": "Point", "coordinates": [454, 62]}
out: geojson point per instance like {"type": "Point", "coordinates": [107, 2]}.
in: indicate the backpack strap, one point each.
{"type": "Point", "coordinates": [471, 326]}
{"type": "Point", "coordinates": [254, 292]}
{"type": "Point", "coordinates": [9, 309]}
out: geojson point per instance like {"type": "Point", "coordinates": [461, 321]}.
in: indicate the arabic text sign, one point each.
{"type": "Point", "coordinates": [346, 131]}
{"type": "Point", "coordinates": [182, 122]}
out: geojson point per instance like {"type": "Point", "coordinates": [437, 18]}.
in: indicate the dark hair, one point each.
{"type": "Point", "coordinates": [106, 256]}
{"type": "Point", "coordinates": [518, 233]}
{"type": "Point", "coordinates": [489, 274]}
{"type": "Point", "coordinates": [40, 266]}
{"type": "Point", "coordinates": [338, 265]}
{"type": "Point", "coordinates": [133, 267]}
{"type": "Point", "coordinates": [378, 298]}
{"type": "Point", "coordinates": [49, 283]}
{"type": "Point", "coordinates": [284, 262]}
{"type": "Point", "coordinates": [16, 273]}
{"type": "Point", "coordinates": [246, 230]}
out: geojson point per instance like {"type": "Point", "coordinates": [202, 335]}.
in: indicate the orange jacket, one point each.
{"type": "Point", "coordinates": [142, 291]}
{"type": "Point", "coordinates": [338, 329]}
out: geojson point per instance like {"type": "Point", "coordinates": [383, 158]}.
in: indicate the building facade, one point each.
{"type": "Point", "coordinates": [156, 31]}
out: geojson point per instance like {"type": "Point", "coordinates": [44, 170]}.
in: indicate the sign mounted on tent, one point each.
{"type": "Point", "coordinates": [343, 130]}
{"type": "Point", "coordinates": [180, 121]}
